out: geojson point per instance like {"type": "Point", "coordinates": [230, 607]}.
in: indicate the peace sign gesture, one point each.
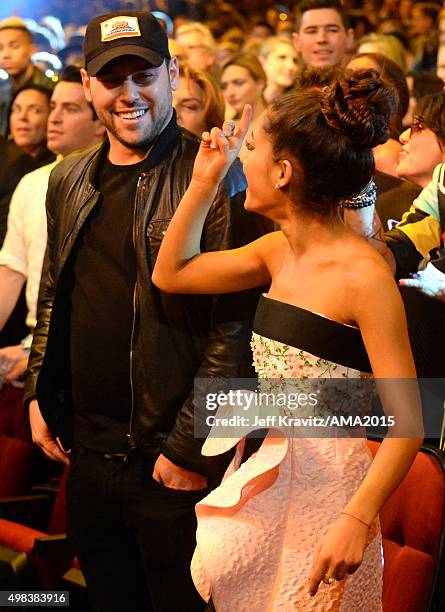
{"type": "Point", "coordinates": [219, 149]}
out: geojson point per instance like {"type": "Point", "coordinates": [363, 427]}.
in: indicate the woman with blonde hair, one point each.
{"type": "Point", "coordinates": [280, 62]}
{"type": "Point", "coordinates": [384, 44]}
{"type": "Point", "coordinates": [198, 102]}
{"type": "Point", "coordinates": [243, 81]}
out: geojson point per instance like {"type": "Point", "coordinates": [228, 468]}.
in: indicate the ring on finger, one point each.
{"type": "Point", "coordinates": [229, 127]}
{"type": "Point", "coordinates": [328, 579]}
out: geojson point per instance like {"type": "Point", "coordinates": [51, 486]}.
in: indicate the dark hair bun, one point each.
{"type": "Point", "coordinates": [360, 105]}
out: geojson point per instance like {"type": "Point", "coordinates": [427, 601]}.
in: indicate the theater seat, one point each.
{"type": "Point", "coordinates": [17, 459]}
{"type": "Point", "coordinates": [48, 553]}
{"type": "Point", "coordinates": [412, 522]}
{"type": "Point", "coordinates": [22, 464]}
{"type": "Point", "coordinates": [13, 418]}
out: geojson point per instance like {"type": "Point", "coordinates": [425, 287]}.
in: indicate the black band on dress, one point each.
{"type": "Point", "coordinates": [311, 332]}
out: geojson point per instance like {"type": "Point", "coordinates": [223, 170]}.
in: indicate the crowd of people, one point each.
{"type": "Point", "coordinates": [287, 161]}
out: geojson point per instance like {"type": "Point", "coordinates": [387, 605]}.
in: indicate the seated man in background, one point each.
{"type": "Point", "coordinates": [16, 50]}
{"type": "Point", "coordinates": [28, 121]}
{"type": "Point", "coordinates": [322, 34]}
{"type": "Point", "coordinates": [15, 163]}
{"type": "Point", "coordinates": [72, 125]}
{"type": "Point", "coordinates": [27, 133]}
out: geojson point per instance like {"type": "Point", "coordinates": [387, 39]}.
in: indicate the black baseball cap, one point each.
{"type": "Point", "coordinates": [124, 33]}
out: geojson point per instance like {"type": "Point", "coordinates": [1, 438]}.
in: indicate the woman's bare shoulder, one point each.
{"type": "Point", "coordinates": [365, 271]}
{"type": "Point", "coordinates": [362, 256]}
{"type": "Point", "coordinates": [269, 242]}
{"type": "Point", "coordinates": [271, 248]}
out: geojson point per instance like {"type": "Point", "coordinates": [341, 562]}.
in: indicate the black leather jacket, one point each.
{"type": "Point", "coordinates": [175, 338]}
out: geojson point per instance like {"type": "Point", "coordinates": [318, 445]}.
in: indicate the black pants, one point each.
{"type": "Point", "coordinates": [134, 538]}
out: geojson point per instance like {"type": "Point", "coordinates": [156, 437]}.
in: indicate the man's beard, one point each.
{"type": "Point", "coordinates": [153, 130]}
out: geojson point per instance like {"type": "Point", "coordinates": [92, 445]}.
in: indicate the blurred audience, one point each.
{"type": "Point", "coordinates": [72, 126]}
{"type": "Point", "coordinates": [423, 148]}
{"type": "Point", "coordinates": [261, 30]}
{"type": "Point", "coordinates": [16, 50]}
{"type": "Point", "coordinates": [280, 62]}
{"type": "Point", "coordinates": [424, 35]}
{"type": "Point", "coordinates": [28, 121]}
{"type": "Point", "coordinates": [440, 67]}
{"type": "Point", "coordinates": [26, 150]}
{"type": "Point", "coordinates": [243, 81]}
{"type": "Point", "coordinates": [322, 34]}
{"type": "Point", "coordinates": [420, 84]}
{"type": "Point", "coordinates": [72, 53]}
{"type": "Point", "coordinates": [386, 155]}
{"type": "Point", "coordinates": [225, 50]}
{"type": "Point", "coordinates": [14, 164]}
{"type": "Point", "coordinates": [383, 44]}
{"type": "Point", "coordinates": [198, 101]}
{"type": "Point", "coordinates": [198, 43]}
{"type": "Point", "coordinates": [424, 141]}
{"type": "Point", "coordinates": [176, 50]}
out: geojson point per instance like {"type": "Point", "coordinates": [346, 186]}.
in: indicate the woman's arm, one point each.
{"type": "Point", "coordinates": [180, 266]}
{"type": "Point", "coordinates": [377, 308]}
{"type": "Point", "coordinates": [379, 312]}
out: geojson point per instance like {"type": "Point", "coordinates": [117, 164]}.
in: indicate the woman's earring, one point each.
{"type": "Point", "coordinates": [277, 185]}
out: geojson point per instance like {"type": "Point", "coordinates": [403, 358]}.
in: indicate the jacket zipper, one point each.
{"type": "Point", "coordinates": [130, 438]}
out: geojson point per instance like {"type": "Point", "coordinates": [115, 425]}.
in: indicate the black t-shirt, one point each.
{"type": "Point", "coordinates": [104, 275]}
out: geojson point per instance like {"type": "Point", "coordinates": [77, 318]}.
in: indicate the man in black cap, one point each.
{"type": "Point", "coordinates": [114, 359]}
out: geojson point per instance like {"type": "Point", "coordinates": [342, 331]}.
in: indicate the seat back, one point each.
{"type": "Point", "coordinates": [412, 522]}
{"type": "Point", "coordinates": [13, 418]}
{"type": "Point", "coordinates": [16, 466]}
{"type": "Point", "coordinates": [57, 523]}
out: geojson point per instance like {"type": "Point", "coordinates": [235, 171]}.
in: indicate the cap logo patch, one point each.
{"type": "Point", "coordinates": [119, 27]}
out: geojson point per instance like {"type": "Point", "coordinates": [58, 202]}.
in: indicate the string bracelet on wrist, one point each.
{"type": "Point", "coordinates": [357, 519]}
{"type": "Point", "coordinates": [366, 197]}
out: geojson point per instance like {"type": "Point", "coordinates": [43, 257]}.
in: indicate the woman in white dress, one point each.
{"type": "Point", "coordinates": [296, 527]}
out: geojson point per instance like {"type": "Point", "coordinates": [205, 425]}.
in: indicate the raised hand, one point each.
{"type": "Point", "coordinates": [218, 151]}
